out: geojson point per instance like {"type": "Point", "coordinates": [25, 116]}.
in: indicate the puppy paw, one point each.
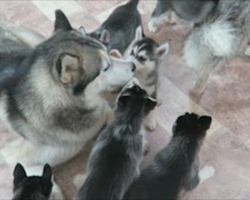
{"type": "Point", "coordinates": [56, 193]}
{"type": "Point", "coordinates": [206, 173]}
{"type": "Point", "coordinates": [152, 26]}
{"type": "Point", "coordinates": [79, 179]}
{"type": "Point", "coordinates": [146, 147]}
{"type": "Point", "coordinates": [150, 124]}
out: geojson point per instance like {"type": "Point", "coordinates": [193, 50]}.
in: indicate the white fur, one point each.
{"type": "Point", "coordinates": [205, 173]}
{"type": "Point", "coordinates": [209, 41]}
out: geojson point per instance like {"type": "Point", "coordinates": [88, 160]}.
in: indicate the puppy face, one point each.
{"type": "Point", "coordinates": [117, 73]}
{"type": "Point", "coordinates": [145, 53]}
{"type": "Point", "coordinates": [192, 125]}
{"type": "Point", "coordinates": [134, 99]}
{"type": "Point", "coordinates": [28, 187]}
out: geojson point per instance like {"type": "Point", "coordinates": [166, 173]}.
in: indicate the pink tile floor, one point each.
{"type": "Point", "coordinates": [227, 99]}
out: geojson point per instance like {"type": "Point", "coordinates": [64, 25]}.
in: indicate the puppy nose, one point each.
{"type": "Point", "coordinates": [133, 67]}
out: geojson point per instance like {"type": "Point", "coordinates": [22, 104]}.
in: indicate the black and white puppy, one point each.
{"type": "Point", "coordinates": [175, 167]}
{"type": "Point", "coordinates": [190, 10]}
{"type": "Point", "coordinates": [32, 187]}
{"type": "Point", "coordinates": [116, 156]}
{"type": "Point", "coordinates": [118, 31]}
{"type": "Point", "coordinates": [146, 54]}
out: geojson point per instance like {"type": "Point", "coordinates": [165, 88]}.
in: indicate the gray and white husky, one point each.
{"type": "Point", "coordinates": [118, 31]}
{"type": "Point", "coordinates": [116, 156]}
{"type": "Point", "coordinates": [221, 31]}
{"type": "Point", "coordinates": [50, 95]}
{"type": "Point", "coordinates": [222, 36]}
{"type": "Point", "coordinates": [146, 54]}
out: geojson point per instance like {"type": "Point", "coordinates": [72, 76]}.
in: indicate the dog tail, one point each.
{"type": "Point", "coordinates": [134, 3]}
{"type": "Point", "coordinates": [212, 40]}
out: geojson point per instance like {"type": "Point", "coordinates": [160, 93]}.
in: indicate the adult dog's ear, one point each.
{"type": "Point", "coordinates": [105, 37]}
{"type": "Point", "coordinates": [68, 69]}
{"type": "Point", "coordinates": [62, 22]}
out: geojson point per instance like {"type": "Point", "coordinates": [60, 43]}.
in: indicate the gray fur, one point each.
{"type": "Point", "coordinates": [121, 25]}
{"type": "Point", "coordinates": [191, 10]}
{"type": "Point", "coordinates": [116, 156]}
{"type": "Point", "coordinates": [175, 167]}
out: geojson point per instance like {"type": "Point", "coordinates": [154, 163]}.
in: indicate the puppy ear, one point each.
{"type": "Point", "coordinates": [19, 174]}
{"type": "Point", "coordinates": [149, 104]}
{"type": "Point", "coordinates": [162, 51]}
{"type": "Point", "coordinates": [115, 53]}
{"type": "Point", "coordinates": [67, 66]}
{"type": "Point", "coordinates": [82, 30]}
{"type": "Point", "coordinates": [62, 21]}
{"type": "Point", "coordinates": [138, 33]}
{"type": "Point", "coordinates": [105, 37]}
{"type": "Point", "coordinates": [47, 173]}
{"type": "Point", "coordinates": [123, 100]}
{"type": "Point", "coordinates": [205, 122]}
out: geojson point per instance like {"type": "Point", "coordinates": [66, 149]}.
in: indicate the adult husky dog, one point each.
{"type": "Point", "coordinates": [50, 95]}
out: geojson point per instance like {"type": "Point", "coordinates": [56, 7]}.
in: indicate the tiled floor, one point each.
{"type": "Point", "coordinates": [227, 99]}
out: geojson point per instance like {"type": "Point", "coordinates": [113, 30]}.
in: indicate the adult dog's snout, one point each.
{"type": "Point", "coordinates": [133, 67]}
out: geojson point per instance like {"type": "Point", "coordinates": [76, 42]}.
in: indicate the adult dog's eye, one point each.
{"type": "Point", "coordinates": [106, 68]}
{"type": "Point", "coordinates": [141, 58]}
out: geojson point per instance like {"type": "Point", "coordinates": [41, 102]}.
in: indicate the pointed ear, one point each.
{"type": "Point", "coordinates": [138, 33]}
{"type": "Point", "coordinates": [115, 53]}
{"type": "Point", "coordinates": [82, 30]}
{"type": "Point", "coordinates": [62, 21]}
{"type": "Point", "coordinates": [19, 174]}
{"type": "Point", "coordinates": [123, 100]}
{"type": "Point", "coordinates": [149, 104]}
{"type": "Point", "coordinates": [105, 37]}
{"type": "Point", "coordinates": [162, 51]}
{"type": "Point", "coordinates": [47, 173]}
{"type": "Point", "coordinates": [67, 66]}
{"type": "Point", "coordinates": [205, 122]}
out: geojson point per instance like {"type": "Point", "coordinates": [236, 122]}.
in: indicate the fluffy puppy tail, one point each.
{"type": "Point", "coordinates": [212, 40]}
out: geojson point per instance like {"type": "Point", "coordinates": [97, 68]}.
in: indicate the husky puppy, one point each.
{"type": "Point", "coordinates": [50, 95]}
{"type": "Point", "coordinates": [175, 167]}
{"type": "Point", "coordinates": [169, 11]}
{"type": "Point", "coordinates": [32, 187]}
{"type": "Point", "coordinates": [145, 53]}
{"type": "Point", "coordinates": [220, 37]}
{"type": "Point", "coordinates": [119, 29]}
{"type": "Point", "coordinates": [115, 159]}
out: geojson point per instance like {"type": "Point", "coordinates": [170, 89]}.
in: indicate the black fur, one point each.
{"type": "Point", "coordinates": [116, 156]}
{"type": "Point", "coordinates": [121, 25]}
{"type": "Point", "coordinates": [32, 187]}
{"type": "Point", "coordinates": [171, 168]}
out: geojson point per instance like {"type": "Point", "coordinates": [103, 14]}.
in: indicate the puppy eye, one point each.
{"type": "Point", "coordinates": [141, 58]}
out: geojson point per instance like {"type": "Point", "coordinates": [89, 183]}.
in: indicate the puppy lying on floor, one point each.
{"type": "Point", "coordinates": [221, 31]}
